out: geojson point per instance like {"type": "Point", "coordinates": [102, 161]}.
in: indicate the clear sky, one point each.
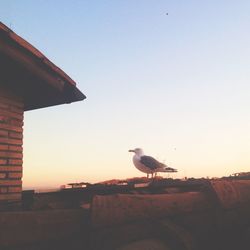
{"type": "Point", "coordinates": [176, 85]}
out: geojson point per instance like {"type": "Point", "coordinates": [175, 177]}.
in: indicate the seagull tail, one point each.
{"type": "Point", "coordinates": [170, 170]}
{"type": "Point", "coordinates": [165, 168]}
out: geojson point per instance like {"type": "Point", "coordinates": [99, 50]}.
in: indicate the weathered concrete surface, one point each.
{"type": "Point", "coordinates": [27, 228]}
{"type": "Point", "coordinates": [217, 217]}
{"type": "Point", "coordinates": [198, 215]}
{"type": "Point", "coordinates": [121, 208]}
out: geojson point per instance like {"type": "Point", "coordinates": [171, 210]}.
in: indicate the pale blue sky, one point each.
{"type": "Point", "coordinates": [176, 85]}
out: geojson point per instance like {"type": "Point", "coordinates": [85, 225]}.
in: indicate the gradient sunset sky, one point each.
{"type": "Point", "coordinates": [176, 85]}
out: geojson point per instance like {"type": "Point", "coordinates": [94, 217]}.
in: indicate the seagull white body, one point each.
{"type": "Point", "coordinates": [148, 164]}
{"type": "Point", "coordinates": [139, 165]}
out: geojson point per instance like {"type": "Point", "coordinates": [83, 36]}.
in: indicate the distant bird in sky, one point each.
{"type": "Point", "coordinates": [148, 164]}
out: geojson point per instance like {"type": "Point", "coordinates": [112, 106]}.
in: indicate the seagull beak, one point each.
{"type": "Point", "coordinates": [131, 150]}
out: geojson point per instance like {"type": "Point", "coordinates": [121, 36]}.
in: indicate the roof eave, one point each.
{"type": "Point", "coordinates": [40, 69]}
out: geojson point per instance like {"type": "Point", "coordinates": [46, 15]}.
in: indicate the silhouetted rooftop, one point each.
{"type": "Point", "coordinates": [28, 73]}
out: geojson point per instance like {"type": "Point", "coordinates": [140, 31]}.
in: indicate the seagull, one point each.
{"type": "Point", "coordinates": [148, 164]}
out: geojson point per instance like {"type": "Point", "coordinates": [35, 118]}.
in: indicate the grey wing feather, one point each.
{"type": "Point", "coordinates": [150, 162]}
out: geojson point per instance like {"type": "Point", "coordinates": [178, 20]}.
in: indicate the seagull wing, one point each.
{"type": "Point", "coordinates": [150, 162]}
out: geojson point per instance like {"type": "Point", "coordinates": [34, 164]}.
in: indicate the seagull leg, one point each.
{"type": "Point", "coordinates": [147, 175]}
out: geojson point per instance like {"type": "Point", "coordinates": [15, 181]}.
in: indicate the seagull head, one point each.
{"type": "Point", "coordinates": [137, 151]}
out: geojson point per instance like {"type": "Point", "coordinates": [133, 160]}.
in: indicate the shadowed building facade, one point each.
{"type": "Point", "coordinates": [28, 80]}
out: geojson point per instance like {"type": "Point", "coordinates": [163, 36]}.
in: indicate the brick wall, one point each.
{"type": "Point", "coordinates": [11, 152]}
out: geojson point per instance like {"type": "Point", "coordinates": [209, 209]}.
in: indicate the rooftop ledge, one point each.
{"type": "Point", "coordinates": [31, 75]}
